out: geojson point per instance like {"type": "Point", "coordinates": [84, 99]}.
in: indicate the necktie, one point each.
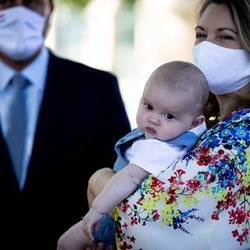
{"type": "Point", "coordinates": [17, 123]}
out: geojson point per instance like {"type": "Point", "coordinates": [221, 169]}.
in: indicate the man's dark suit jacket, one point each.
{"type": "Point", "coordinates": [82, 116]}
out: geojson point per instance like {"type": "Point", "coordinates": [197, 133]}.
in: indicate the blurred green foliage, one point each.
{"type": "Point", "coordinates": [129, 2]}
{"type": "Point", "coordinates": [83, 3]}
{"type": "Point", "coordinates": [74, 3]}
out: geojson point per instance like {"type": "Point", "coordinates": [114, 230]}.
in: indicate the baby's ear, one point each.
{"type": "Point", "coordinates": [198, 121]}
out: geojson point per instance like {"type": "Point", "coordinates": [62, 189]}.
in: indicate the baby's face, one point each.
{"type": "Point", "coordinates": [164, 114]}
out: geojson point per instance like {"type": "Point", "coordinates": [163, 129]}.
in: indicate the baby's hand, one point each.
{"type": "Point", "coordinates": [90, 222]}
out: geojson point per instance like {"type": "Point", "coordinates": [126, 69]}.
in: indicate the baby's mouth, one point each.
{"type": "Point", "coordinates": [150, 130]}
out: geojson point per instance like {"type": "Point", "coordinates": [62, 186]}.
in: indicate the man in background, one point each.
{"type": "Point", "coordinates": [72, 117]}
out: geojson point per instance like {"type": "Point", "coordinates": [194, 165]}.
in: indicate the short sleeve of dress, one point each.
{"type": "Point", "coordinates": [201, 202]}
{"type": "Point", "coordinates": [153, 155]}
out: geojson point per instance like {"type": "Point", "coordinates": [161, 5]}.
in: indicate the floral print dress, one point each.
{"type": "Point", "coordinates": [201, 201]}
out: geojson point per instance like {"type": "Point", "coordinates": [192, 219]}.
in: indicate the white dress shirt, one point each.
{"type": "Point", "coordinates": [35, 73]}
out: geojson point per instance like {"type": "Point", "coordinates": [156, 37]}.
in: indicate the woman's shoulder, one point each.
{"type": "Point", "coordinates": [235, 126]}
{"type": "Point", "coordinates": [237, 117]}
{"type": "Point", "coordinates": [234, 118]}
{"type": "Point", "coordinates": [226, 143]}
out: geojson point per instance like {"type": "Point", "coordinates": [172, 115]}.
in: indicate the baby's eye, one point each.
{"type": "Point", "coordinates": [168, 116]}
{"type": "Point", "coordinates": [148, 106]}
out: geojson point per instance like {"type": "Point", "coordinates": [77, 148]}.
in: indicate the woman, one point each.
{"type": "Point", "coordinates": [202, 200]}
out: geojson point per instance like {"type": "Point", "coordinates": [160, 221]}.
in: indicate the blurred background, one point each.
{"type": "Point", "coordinates": [129, 38]}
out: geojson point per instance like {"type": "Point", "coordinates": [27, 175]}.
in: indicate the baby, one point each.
{"type": "Point", "coordinates": [170, 120]}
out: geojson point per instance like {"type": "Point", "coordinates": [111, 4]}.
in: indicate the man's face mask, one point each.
{"type": "Point", "coordinates": [21, 32]}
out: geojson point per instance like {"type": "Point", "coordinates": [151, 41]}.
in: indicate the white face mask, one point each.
{"type": "Point", "coordinates": [227, 70]}
{"type": "Point", "coordinates": [21, 32]}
